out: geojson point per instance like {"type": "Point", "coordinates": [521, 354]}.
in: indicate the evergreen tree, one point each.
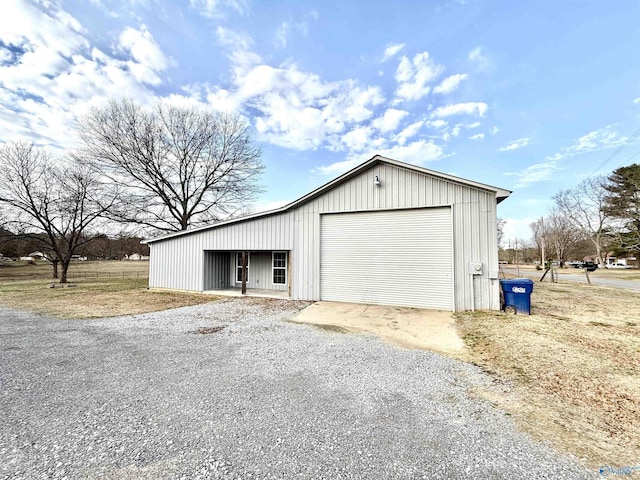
{"type": "Point", "coordinates": [623, 203]}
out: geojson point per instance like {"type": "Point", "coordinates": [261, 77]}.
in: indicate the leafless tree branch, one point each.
{"type": "Point", "coordinates": [180, 167]}
{"type": "Point", "coordinates": [54, 201]}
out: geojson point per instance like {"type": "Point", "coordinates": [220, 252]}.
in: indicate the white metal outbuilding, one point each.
{"type": "Point", "coordinates": [384, 233]}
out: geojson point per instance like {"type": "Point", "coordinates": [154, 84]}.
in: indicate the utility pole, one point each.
{"type": "Point", "coordinates": [510, 251]}
{"type": "Point", "coordinates": [517, 264]}
{"type": "Point", "coordinates": [543, 259]}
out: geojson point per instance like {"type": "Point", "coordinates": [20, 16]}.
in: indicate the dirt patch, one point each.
{"type": "Point", "coordinates": [412, 328]}
{"type": "Point", "coordinates": [327, 328]}
{"type": "Point", "coordinates": [574, 366]}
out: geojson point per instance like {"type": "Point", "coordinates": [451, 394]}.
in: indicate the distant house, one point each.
{"type": "Point", "coordinates": [385, 233]}
{"type": "Point", "coordinates": [33, 256]}
{"type": "Point", "coordinates": [136, 257]}
{"type": "Point", "coordinates": [620, 261]}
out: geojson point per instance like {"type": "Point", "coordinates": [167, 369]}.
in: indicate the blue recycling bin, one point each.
{"type": "Point", "coordinates": [517, 295]}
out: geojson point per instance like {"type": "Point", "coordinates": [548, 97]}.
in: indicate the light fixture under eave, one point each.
{"type": "Point", "coordinates": [376, 181]}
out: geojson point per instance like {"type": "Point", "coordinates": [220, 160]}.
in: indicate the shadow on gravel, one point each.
{"type": "Point", "coordinates": [207, 330]}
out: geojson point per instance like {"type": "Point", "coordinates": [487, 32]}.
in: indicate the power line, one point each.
{"type": "Point", "coordinates": [618, 150]}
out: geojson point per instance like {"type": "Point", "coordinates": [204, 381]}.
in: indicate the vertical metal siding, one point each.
{"type": "Point", "coordinates": [178, 263]}
{"type": "Point", "coordinates": [474, 233]}
{"type": "Point", "coordinates": [216, 270]}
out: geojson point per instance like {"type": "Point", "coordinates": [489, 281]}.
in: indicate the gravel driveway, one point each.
{"type": "Point", "coordinates": [145, 397]}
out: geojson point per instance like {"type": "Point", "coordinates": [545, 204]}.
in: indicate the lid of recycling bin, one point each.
{"type": "Point", "coordinates": [517, 281]}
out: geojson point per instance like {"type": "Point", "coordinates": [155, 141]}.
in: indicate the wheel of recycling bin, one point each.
{"type": "Point", "coordinates": [510, 309]}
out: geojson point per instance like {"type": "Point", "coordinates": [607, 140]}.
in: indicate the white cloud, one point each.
{"type": "Point", "coordinates": [450, 83]}
{"type": "Point", "coordinates": [293, 108]}
{"type": "Point", "coordinates": [535, 173]}
{"type": "Point", "coordinates": [517, 228]}
{"type": "Point", "coordinates": [636, 100]}
{"type": "Point", "coordinates": [593, 141]}
{"type": "Point", "coordinates": [437, 124]}
{"type": "Point", "coordinates": [358, 139]}
{"type": "Point", "coordinates": [338, 168]}
{"type": "Point", "coordinates": [391, 51]}
{"type": "Point", "coordinates": [473, 125]}
{"type": "Point", "coordinates": [143, 48]}
{"type": "Point", "coordinates": [233, 39]}
{"type": "Point", "coordinates": [147, 56]}
{"type": "Point", "coordinates": [281, 34]}
{"type": "Point", "coordinates": [419, 152]}
{"type": "Point", "coordinates": [298, 110]}
{"type": "Point", "coordinates": [27, 26]}
{"type": "Point", "coordinates": [471, 108]}
{"type": "Point", "coordinates": [477, 56]}
{"type": "Point", "coordinates": [390, 121]}
{"type": "Point", "coordinates": [56, 74]}
{"type": "Point", "coordinates": [216, 8]}
{"type": "Point", "coordinates": [409, 131]}
{"type": "Point", "coordinates": [494, 130]}
{"type": "Point", "coordinates": [413, 76]}
{"type": "Point", "coordinates": [285, 29]}
{"type": "Point", "coordinates": [5, 56]}
{"type": "Point", "coordinates": [477, 136]}
{"type": "Point", "coordinates": [514, 145]}
{"type": "Point", "coordinates": [240, 51]}
{"type": "Point", "coordinates": [265, 207]}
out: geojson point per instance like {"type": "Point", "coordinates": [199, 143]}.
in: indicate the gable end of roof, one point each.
{"type": "Point", "coordinates": [500, 193]}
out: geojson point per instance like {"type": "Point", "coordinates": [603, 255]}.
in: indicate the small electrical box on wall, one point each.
{"type": "Point", "coordinates": [475, 268]}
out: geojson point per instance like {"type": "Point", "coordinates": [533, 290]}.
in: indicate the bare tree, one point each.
{"type": "Point", "coordinates": [584, 205]}
{"type": "Point", "coordinates": [540, 232]}
{"type": "Point", "coordinates": [52, 201]}
{"type": "Point", "coordinates": [181, 167]}
{"type": "Point", "coordinates": [563, 234]}
{"type": "Point", "coordinates": [500, 224]}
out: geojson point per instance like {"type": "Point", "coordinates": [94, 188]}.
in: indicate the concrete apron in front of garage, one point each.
{"type": "Point", "coordinates": [406, 327]}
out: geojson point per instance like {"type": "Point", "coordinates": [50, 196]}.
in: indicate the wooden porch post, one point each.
{"type": "Point", "coordinates": [289, 272]}
{"type": "Point", "coordinates": [244, 272]}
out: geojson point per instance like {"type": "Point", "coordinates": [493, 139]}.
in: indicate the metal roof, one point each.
{"type": "Point", "coordinates": [500, 193]}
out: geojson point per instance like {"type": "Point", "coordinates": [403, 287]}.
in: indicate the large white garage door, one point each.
{"type": "Point", "coordinates": [391, 257]}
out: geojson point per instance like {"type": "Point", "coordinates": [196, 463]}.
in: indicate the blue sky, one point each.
{"type": "Point", "coordinates": [528, 96]}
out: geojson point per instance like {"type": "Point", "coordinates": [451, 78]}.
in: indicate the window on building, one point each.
{"type": "Point", "coordinates": [239, 267]}
{"type": "Point", "coordinates": [280, 268]}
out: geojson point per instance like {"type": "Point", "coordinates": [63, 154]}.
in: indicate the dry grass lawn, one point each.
{"type": "Point", "coordinates": [102, 289]}
{"type": "Point", "coordinates": [21, 270]}
{"type": "Point", "coordinates": [573, 367]}
{"type": "Point", "coordinates": [616, 273]}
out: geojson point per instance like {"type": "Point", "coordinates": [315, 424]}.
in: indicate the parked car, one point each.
{"type": "Point", "coordinates": [589, 266]}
